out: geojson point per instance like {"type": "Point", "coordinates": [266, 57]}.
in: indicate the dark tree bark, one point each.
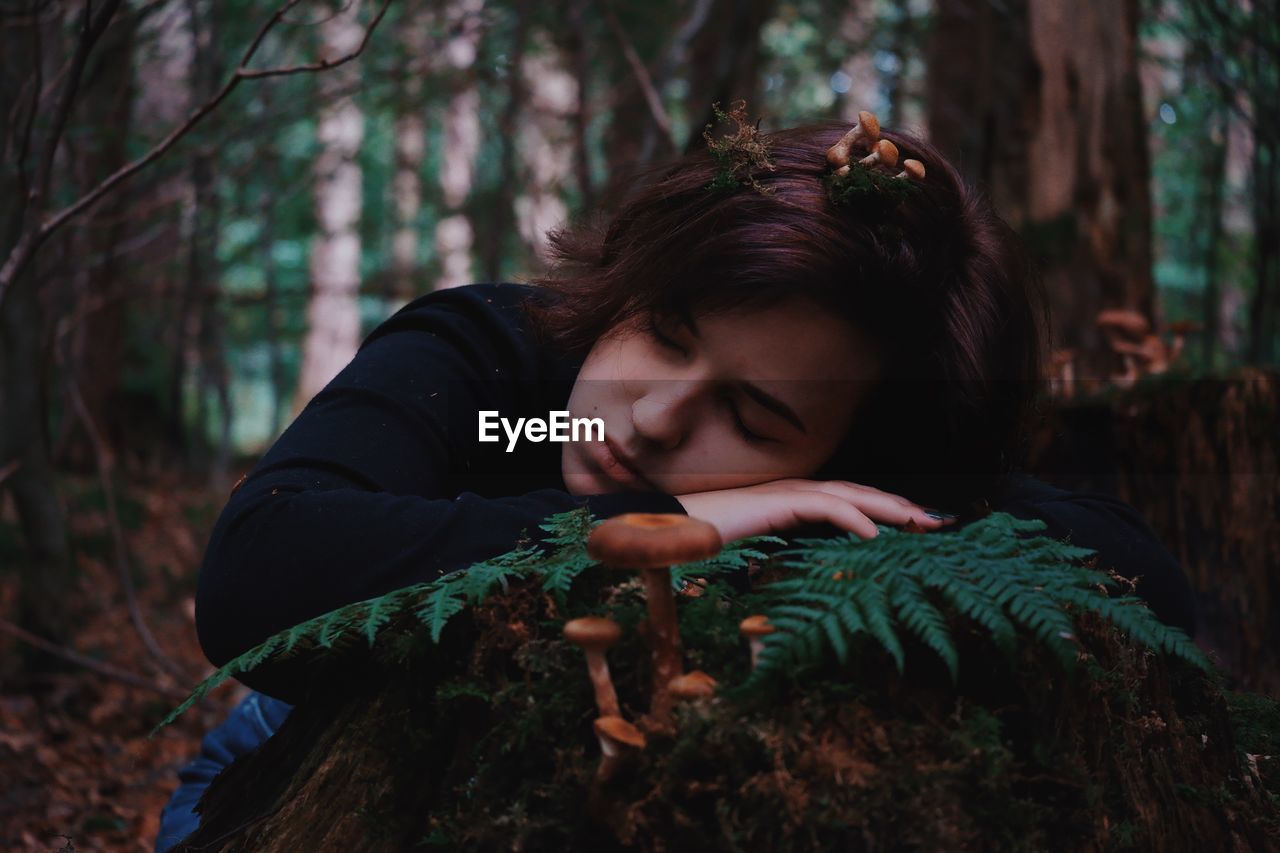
{"type": "Point", "coordinates": [93, 347]}
{"type": "Point", "coordinates": [1040, 102]}
{"type": "Point", "coordinates": [1201, 461]}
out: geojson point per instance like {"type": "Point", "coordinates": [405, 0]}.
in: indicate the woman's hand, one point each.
{"type": "Point", "coordinates": [780, 504]}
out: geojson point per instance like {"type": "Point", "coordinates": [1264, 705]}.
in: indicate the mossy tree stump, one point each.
{"type": "Point", "coordinates": [485, 743]}
{"type": "Point", "coordinates": [1200, 459]}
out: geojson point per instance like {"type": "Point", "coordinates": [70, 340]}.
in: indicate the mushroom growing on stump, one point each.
{"type": "Point", "coordinates": [1180, 329]}
{"type": "Point", "coordinates": [618, 739]}
{"type": "Point", "coordinates": [755, 629]}
{"type": "Point", "coordinates": [693, 685]}
{"type": "Point", "coordinates": [595, 635]}
{"type": "Point", "coordinates": [1124, 329]}
{"type": "Point", "coordinates": [652, 543]}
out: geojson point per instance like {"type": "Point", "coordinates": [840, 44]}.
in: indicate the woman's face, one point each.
{"type": "Point", "coordinates": [735, 399]}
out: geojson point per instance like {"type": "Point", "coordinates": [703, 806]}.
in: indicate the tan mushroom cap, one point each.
{"type": "Point", "coordinates": [756, 626]}
{"type": "Point", "coordinates": [1124, 320]}
{"type": "Point", "coordinates": [870, 124]}
{"type": "Point", "coordinates": [594, 632]}
{"type": "Point", "coordinates": [883, 152]}
{"type": "Point", "coordinates": [643, 540]}
{"type": "Point", "coordinates": [914, 169]}
{"type": "Point", "coordinates": [620, 731]}
{"type": "Point", "coordinates": [692, 685]}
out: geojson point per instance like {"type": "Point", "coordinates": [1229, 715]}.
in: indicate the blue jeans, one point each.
{"type": "Point", "coordinates": [247, 726]}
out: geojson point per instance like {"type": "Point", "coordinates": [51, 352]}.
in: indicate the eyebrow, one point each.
{"type": "Point", "coordinates": [768, 401]}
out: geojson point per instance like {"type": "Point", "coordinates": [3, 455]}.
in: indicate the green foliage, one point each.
{"type": "Point", "coordinates": [837, 590]}
{"type": "Point", "coordinates": [435, 603]}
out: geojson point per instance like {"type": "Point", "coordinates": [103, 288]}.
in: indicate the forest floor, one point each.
{"type": "Point", "coordinates": [77, 771]}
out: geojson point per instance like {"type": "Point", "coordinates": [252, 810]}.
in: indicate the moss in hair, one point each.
{"type": "Point", "coordinates": [739, 155]}
{"type": "Point", "coordinates": [871, 189]}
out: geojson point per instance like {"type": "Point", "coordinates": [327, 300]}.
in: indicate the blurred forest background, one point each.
{"type": "Point", "coordinates": [204, 206]}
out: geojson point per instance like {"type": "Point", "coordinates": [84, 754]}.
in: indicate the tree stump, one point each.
{"type": "Point", "coordinates": [485, 743]}
{"type": "Point", "coordinates": [1200, 459]}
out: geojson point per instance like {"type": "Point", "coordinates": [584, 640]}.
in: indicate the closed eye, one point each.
{"type": "Point", "coordinates": [739, 424]}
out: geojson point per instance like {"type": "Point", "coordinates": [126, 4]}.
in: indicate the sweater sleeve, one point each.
{"type": "Point", "coordinates": [1121, 537]}
{"type": "Point", "coordinates": [361, 496]}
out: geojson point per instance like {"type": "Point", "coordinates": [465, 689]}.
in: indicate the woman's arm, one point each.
{"type": "Point", "coordinates": [367, 490]}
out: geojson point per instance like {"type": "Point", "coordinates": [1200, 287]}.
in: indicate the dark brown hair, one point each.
{"type": "Point", "coordinates": [938, 283]}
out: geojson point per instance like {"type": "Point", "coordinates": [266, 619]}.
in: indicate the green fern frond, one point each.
{"type": "Point", "coordinates": [996, 571]}
{"type": "Point", "coordinates": [922, 618]}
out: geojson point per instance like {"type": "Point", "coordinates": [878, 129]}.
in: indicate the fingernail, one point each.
{"type": "Point", "coordinates": [941, 516]}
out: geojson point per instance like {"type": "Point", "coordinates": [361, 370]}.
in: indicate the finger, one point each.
{"type": "Point", "coordinates": [881, 506]}
{"type": "Point", "coordinates": [822, 507]}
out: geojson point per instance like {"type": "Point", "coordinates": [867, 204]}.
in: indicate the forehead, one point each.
{"type": "Point", "coordinates": [793, 341]}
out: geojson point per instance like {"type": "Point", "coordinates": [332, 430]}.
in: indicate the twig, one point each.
{"type": "Point", "coordinates": [104, 669]}
{"type": "Point", "coordinates": [100, 453]}
{"type": "Point", "coordinates": [656, 109]}
{"type": "Point", "coordinates": [32, 238]}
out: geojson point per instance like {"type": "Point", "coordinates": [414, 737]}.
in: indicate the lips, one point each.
{"type": "Point", "coordinates": [617, 466]}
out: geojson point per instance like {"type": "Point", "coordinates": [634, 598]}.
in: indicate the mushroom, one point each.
{"type": "Point", "coordinates": [912, 169]}
{"type": "Point", "coordinates": [1125, 330]}
{"type": "Point", "coordinates": [884, 152]}
{"type": "Point", "coordinates": [1122, 324]}
{"type": "Point", "coordinates": [618, 739]}
{"type": "Point", "coordinates": [651, 543]}
{"type": "Point", "coordinates": [864, 134]}
{"type": "Point", "coordinates": [1180, 329]}
{"type": "Point", "coordinates": [595, 635]}
{"type": "Point", "coordinates": [1151, 355]}
{"type": "Point", "coordinates": [1062, 372]}
{"type": "Point", "coordinates": [755, 629]}
{"type": "Point", "coordinates": [692, 685]}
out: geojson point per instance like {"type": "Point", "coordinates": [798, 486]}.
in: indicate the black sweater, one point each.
{"type": "Point", "coordinates": [381, 482]}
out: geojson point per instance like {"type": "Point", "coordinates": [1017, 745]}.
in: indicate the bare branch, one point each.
{"type": "Point", "coordinates": [651, 97]}
{"type": "Point", "coordinates": [91, 29]}
{"type": "Point", "coordinates": [103, 669]}
{"type": "Point", "coordinates": [32, 238]}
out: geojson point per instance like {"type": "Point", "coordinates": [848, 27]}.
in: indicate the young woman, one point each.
{"type": "Point", "coordinates": [761, 356]}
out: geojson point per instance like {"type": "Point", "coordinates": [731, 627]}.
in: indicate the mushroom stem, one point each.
{"type": "Point", "coordinates": [664, 639]}
{"type": "Point", "coordinates": [755, 629]}
{"type": "Point", "coordinates": [606, 696]}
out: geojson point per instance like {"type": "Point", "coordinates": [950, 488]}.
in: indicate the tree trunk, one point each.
{"type": "Point", "coordinates": [494, 244]}
{"type": "Point", "coordinates": [333, 308]}
{"type": "Point", "coordinates": [1213, 184]}
{"type": "Point", "coordinates": [455, 238]}
{"type": "Point", "coordinates": [724, 62]}
{"type": "Point", "coordinates": [491, 749]}
{"type": "Point", "coordinates": [1200, 460]}
{"type": "Point", "coordinates": [546, 143]}
{"type": "Point", "coordinates": [92, 349]}
{"type": "Point", "coordinates": [410, 152]}
{"type": "Point", "coordinates": [30, 56]}
{"type": "Point", "coordinates": [1039, 101]}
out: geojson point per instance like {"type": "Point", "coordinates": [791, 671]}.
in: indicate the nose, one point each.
{"type": "Point", "coordinates": [663, 414]}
